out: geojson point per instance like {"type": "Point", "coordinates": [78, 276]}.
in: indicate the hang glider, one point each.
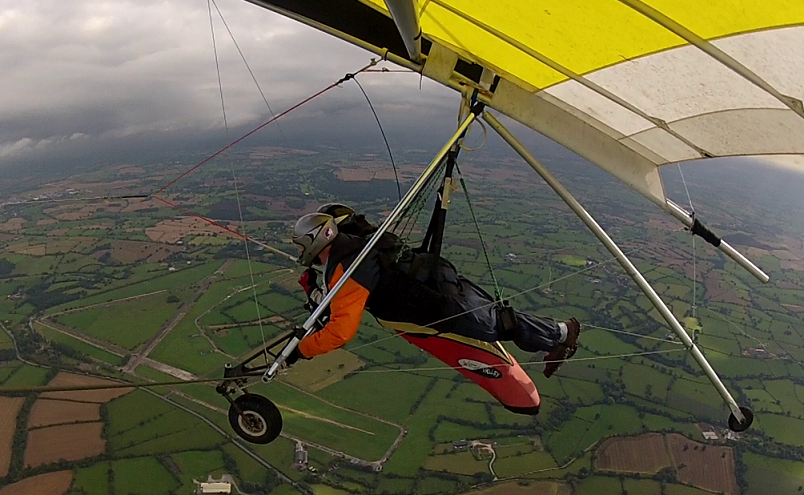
{"type": "Point", "coordinates": [630, 85]}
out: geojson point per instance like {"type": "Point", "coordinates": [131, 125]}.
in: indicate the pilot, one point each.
{"type": "Point", "coordinates": [399, 285]}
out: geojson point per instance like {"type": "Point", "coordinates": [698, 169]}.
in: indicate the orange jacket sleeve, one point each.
{"type": "Point", "coordinates": [346, 311]}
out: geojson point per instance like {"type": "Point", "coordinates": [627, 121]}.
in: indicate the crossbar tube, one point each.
{"type": "Point", "coordinates": [626, 263]}
{"type": "Point", "coordinates": [687, 219]}
{"type": "Point", "coordinates": [392, 217]}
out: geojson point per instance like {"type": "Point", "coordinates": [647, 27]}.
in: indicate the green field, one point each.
{"type": "Point", "coordinates": [162, 282]}
{"type": "Point", "coordinates": [27, 376]}
{"type": "Point", "coordinates": [782, 429]}
{"type": "Point", "coordinates": [370, 393]}
{"type": "Point", "coordinates": [142, 476]}
{"type": "Point", "coordinates": [519, 465]}
{"type": "Point", "coordinates": [641, 487]}
{"type": "Point", "coordinates": [144, 424]}
{"type": "Point", "coordinates": [156, 447]}
{"type": "Point", "coordinates": [82, 347]}
{"type": "Point", "coordinates": [458, 462]}
{"type": "Point", "coordinates": [197, 465]}
{"type": "Point", "coordinates": [127, 324]}
{"type": "Point", "coordinates": [93, 479]}
{"type": "Point", "coordinates": [773, 475]}
{"type": "Point", "coordinates": [598, 484]}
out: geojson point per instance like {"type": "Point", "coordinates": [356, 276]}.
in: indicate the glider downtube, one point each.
{"type": "Point", "coordinates": [629, 267]}
{"type": "Point", "coordinates": [397, 211]}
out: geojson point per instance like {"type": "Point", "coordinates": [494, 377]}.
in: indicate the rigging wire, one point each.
{"type": "Point", "coordinates": [217, 68]}
{"type": "Point", "coordinates": [234, 176]}
{"type": "Point", "coordinates": [498, 294]}
{"type": "Point", "coordinates": [265, 124]}
{"type": "Point", "coordinates": [527, 363]}
{"type": "Point", "coordinates": [694, 252]}
{"type": "Point", "coordinates": [382, 131]}
{"type": "Point", "coordinates": [248, 67]}
{"type": "Point", "coordinates": [156, 196]}
{"type": "Point", "coordinates": [518, 294]}
{"type": "Point", "coordinates": [78, 388]}
{"type": "Point", "coordinates": [633, 334]}
{"type": "Point", "coordinates": [46, 388]}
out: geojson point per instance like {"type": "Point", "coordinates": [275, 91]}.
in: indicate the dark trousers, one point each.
{"type": "Point", "coordinates": [479, 320]}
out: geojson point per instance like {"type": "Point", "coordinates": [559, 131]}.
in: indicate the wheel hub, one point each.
{"type": "Point", "coordinates": [252, 423]}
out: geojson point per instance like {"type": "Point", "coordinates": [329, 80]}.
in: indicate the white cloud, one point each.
{"type": "Point", "coordinates": [794, 163]}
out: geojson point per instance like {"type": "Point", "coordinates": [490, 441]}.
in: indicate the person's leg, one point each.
{"type": "Point", "coordinates": [536, 334]}
{"type": "Point", "coordinates": [558, 339]}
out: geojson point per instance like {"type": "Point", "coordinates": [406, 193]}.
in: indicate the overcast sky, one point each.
{"type": "Point", "coordinates": [83, 76]}
{"type": "Point", "coordinates": [92, 72]}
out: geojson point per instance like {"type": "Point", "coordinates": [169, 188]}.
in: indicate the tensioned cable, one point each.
{"type": "Point", "coordinates": [634, 334]}
{"type": "Point", "coordinates": [382, 131]}
{"type": "Point", "coordinates": [528, 363]}
{"type": "Point", "coordinates": [498, 294]}
{"type": "Point", "coordinates": [217, 68]}
{"type": "Point", "coordinates": [248, 67]}
{"type": "Point", "coordinates": [79, 388]}
{"type": "Point", "coordinates": [76, 200]}
{"type": "Point", "coordinates": [268, 122]}
{"type": "Point", "coordinates": [232, 170]}
{"type": "Point", "coordinates": [396, 334]}
{"type": "Point", "coordinates": [521, 293]}
{"type": "Point", "coordinates": [694, 253]}
{"type": "Point", "coordinates": [238, 140]}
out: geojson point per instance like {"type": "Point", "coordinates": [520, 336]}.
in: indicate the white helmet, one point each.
{"type": "Point", "coordinates": [314, 232]}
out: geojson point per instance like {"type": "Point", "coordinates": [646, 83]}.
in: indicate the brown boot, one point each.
{"type": "Point", "coordinates": [563, 351]}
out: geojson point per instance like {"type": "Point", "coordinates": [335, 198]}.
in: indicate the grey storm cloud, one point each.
{"type": "Point", "coordinates": [82, 71]}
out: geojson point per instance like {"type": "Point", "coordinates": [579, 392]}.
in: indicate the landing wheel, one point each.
{"type": "Point", "coordinates": [255, 418]}
{"type": "Point", "coordinates": [737, 426]}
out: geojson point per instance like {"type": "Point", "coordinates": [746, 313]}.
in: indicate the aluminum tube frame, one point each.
{"type": "Point", "coordinates": [404, 14]}
{"type": "Point", "coordinates": [629, 267]}
{"type": "Point", "coordinates": [386, 224]}
{"type": "Point", "coordinates": [685, 218]}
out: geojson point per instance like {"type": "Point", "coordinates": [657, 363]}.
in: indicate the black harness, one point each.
{"type": "Point", "coordinates": [412, 287]}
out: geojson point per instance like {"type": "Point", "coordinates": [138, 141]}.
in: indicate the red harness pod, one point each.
{"type": "Point", "coordinates": [487, 364]}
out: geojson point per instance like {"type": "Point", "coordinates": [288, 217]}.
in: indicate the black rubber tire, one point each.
{"type": "Point", "coordinates": [735, 425]}
{"type": "Point", "coordinates": [255, 419]}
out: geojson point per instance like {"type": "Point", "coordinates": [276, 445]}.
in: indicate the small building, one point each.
{"type": "Point", "coordinates": [460, 444]}
{"type": "Point", "coordinates": [300, 457]}
{"type": "Point", "coordinates": [215, 487]}
{"type": "Point", "coordinates": [710, 435]}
